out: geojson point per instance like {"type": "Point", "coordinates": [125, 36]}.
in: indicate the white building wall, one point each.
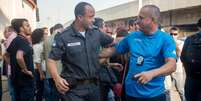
{"type": "Point", "coordinates": [16, 9]}
{"type": "Point", "coordinates": [3, 22]}
{"type": "Point", "coordinates": [130, 9]}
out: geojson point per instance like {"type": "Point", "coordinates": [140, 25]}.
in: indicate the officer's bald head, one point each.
{"type": "Point", "coordinates": [80, 8]}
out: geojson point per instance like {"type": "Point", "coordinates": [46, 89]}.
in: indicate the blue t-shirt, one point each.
{"type": "Point", "coordinates": [154, 49]}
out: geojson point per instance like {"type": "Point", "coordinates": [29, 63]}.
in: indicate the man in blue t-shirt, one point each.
{"type": "Point", "coordinates": [153, 55]}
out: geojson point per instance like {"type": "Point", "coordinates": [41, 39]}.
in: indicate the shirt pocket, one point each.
{"type": "Point", "coordinates": [74, 48]}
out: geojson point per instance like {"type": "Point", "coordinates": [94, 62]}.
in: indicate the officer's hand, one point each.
{"type": "Point", "coordinates": [144, 77]}
{"type": "Point", "coordinates": [27, 72]}
{"type": "Point", "coordinates": [62, 85]}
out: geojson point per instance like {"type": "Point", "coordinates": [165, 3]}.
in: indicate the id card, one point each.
{"type": "Point", "coordinates": [140, 61]}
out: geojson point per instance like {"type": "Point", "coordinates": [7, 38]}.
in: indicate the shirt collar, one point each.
{"type": "Point", "coordinates": [77, 33]}
{"type": "Point", "coordinates": [151, 35]}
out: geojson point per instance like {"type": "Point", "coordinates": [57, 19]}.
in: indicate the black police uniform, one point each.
{"type": "Point", "coordinates": [79, 57]}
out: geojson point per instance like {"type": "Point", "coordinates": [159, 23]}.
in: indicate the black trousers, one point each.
{"type": "Point", "coordinates": [161, 97]}
{"type": "Point", "coordinates": [25, 93]}
{"type": "Point", "coordinates": [193, 89]}
{"type": "Point", "coordinates": [89, 92]}
{"type": "Point", "coordinates": [104, 89]}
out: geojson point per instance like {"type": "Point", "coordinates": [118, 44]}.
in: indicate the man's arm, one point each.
{"type": "Point", "coordinates": [6, 57]}
{"type": "Point", "coordinates": [57, 50]}
{"type": "Point", "coordinates": [61, 84]}
{"type": "Point", "coordinates": [168, 68]}
{"type": "Point", "coordinates": [105, 61]}
{"type": "Point", "coordinates": [39, 68]}
{"type": "Point", "coordinates": [121, 46]}
{"type": "Point", "coordinates": [22, 64]}
{"type": "Point", "coordinates": [52, 68]}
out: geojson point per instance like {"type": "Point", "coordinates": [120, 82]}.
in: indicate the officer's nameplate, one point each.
{"type": "Point", "coordinates": [74, 44]}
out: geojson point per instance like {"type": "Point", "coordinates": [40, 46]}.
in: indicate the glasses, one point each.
{"type": "Point", "coordinates": [173, 34]}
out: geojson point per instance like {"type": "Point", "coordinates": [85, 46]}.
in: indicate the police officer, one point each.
{"type": "Point", "coordinates": [77, 47]}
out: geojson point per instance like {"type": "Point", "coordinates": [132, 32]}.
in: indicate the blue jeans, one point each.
{"type": "Point", "coordinates": [50, 91]}
{"type": "Point", "coordinates": [11, 89]}
{"type": "Point", "coordinates": [193, 89]}
{"type": "Point", "coordinates": [161, 97]}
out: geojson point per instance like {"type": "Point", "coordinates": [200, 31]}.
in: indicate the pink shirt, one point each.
{"type": "Point", "coordinates": [10, 39]}
{"type": "Point", "coordinates": [7, 43]}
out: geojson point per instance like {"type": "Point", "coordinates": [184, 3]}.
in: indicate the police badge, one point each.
{"type": "Point", "coordinates": [140, 61]}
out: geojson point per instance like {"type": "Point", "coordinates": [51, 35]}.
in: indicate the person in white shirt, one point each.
{"type": "Point", "coordinates": [178, 77]}
{"type": "Point", "coordinates": [37, 41]}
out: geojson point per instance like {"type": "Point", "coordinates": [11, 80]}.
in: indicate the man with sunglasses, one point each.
{"type": "Point", "coordinates": [153, 56]}
{"type": "Point", "coordinates": [174, 32]}
{"type": "Point", "coordinates": [178, 75]}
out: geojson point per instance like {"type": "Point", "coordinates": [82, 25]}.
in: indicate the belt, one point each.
{"type": "Point", "coordinates": [87, 81]}
{"type": "Point", "coordinates": [76, 82]}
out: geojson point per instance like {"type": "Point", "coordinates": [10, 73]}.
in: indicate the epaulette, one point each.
{"type": "Point", "coordinates": [66, 29]}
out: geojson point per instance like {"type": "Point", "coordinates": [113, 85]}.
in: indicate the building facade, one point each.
{"type": "Point", "coordinates": [10, 9]}
{"type": "Point", "coordinates": [181, 13]}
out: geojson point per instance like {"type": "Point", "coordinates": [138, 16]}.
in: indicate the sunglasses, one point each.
{"type": "Point", "coordinates": [173, 34]}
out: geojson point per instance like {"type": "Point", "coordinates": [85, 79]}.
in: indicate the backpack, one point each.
{"type": "Point", "coordinates": [191, 54]}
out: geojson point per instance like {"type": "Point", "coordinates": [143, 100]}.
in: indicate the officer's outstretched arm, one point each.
{"type": "Point", "coordinates": [61, 84]}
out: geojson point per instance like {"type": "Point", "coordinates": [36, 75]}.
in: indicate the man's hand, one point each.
{"type": "Point", "coordinates": [27, 72]}
{"type": "Point", "coordinates": [116, 66]}
{"type": "Point", "coordinates": [62, 85]}
{"type": "Point", "coordinates": [42, 76]}
{"type": "Point", "coordinates": [107, 52]}
{"type": "Point", "coordinates": [144, 77]}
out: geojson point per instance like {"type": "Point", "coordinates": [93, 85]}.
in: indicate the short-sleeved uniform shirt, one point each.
{"type": "Point", "coordinates": [18, 77]}
{"type": "Point", "coordinates": [154, 49]}
{"type": "Point", "coordinates": [79, 54]}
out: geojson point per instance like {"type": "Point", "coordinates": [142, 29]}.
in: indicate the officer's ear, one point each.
{"type": "Point", "coordinates": [80, 17]}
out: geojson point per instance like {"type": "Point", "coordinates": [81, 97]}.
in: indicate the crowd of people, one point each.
{"type": "Point", "coordinates": [85, 62]}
